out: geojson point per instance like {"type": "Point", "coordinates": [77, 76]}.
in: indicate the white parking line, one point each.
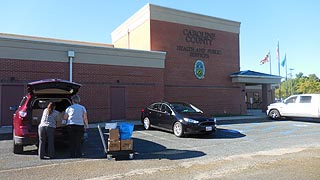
{"type": "Point", "coordinates": [300, 125]}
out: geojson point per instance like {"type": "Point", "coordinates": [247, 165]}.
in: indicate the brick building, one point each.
{"type": "Point", "coordinates": [186, 38]}
{"type": "Point", "coordinates": [157, 54]}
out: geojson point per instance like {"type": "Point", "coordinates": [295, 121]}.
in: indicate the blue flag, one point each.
{"type": "Point", "coordinates": [284, 61]}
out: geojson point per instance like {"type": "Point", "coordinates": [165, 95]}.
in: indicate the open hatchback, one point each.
{"type": "Point", "coordinates": [28, 114]}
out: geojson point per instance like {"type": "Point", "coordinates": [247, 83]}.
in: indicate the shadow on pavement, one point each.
{"type": "Point", "coordinates": [221, 133]}
{"type": "Point", "coordinates": [143, 149]}
{"type": "Point", "coordinates": [227, 134]}
{"type": "Point", "coordinates": [150, 150]}
{"type": "Point", "coordinates": [308, 120]}
{"type": "Point", "coordinates": [5, 136]}
{"type": "Point", "coordinates": [244, 121]}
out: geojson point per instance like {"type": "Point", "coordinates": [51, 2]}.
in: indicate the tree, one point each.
{"type": "Point", "coordinates": [301, 85]}
{"type": "Point", "coordinates": [299, 75]}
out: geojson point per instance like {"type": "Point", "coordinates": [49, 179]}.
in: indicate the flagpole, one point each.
{"type": "Point", "coordinates": [278, 53]}
{"type": "Point", "coordinates": [270, 62]}
{"type": "Point", "coordinates": [285, 56]}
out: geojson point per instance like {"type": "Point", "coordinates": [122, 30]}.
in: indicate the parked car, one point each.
{"type": "Point", "coordinates": [177, 117]}
{"type": "Point", "coordinates": [28, 114]}
{"type": "Point", "coordinates": [302, 105]}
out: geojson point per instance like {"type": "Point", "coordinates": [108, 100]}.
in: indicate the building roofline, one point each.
{"type": "Point", "coordinates": [52, 40]}
{"type": "Point", "coordinates": [21, 47]}
{"type": "Point", "coordinates": [155, 12]}
{"type": "Point", "coordinates": [176, 12]}
{"type": "Point", "coordinates": [253, 77]}
{"type": "Point", "coordinates": [253, 74]}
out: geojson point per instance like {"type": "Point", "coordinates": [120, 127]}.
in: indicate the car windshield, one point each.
{"type": "Point", "coordinates": [290, 100]}
{"type": "Point", "coordinates": [185, 108]}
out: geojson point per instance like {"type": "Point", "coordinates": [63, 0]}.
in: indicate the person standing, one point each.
{"type": "Point", "coordinates": [46, 130]}
{"type": "Point", "coordinates": [77, 120]}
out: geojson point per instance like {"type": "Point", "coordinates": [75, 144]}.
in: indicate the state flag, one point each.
{"type": "Point", "coordinates": [283, 63]}
{"type": "Point", "coordinates": [265, 59]}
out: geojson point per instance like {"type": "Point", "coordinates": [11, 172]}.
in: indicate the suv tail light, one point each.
{"type": "Point", "coordinates": [142, 110]}
{"type": "Point", "coordinates": [22, 114]}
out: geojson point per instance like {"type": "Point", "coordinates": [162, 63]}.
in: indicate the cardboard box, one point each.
{"type": "Point", "coordinates": [114, 145]}
{"type": "Point", "coordinates": [60, 121]}
{"type": "Point", "coordinates": [114, 134]}
{"type": "Point", "coordinates": [126, 144]}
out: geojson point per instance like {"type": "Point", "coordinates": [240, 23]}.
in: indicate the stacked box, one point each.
{"type": "Point", "coordinates": [114, 134]}
{"type": "Point", "coordinates": [114, 145]}
{"type": "Point", "coordinates": [126, 144]}
{"type": "Point", "coordinates": [113, 140]}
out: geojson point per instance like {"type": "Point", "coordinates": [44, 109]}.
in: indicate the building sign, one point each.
{"type": "Point", "coordinates": [198, 37]}
{"type": "Point", "coordinates": [195, 38]}
{"type": "Point", "coordinates": [199, 52]}
{"type": "Point", "coordinates": [199, 69]}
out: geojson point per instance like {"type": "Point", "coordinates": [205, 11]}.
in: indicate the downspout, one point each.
{"type": "Point", "coordinates": [128, 39]}
{"type": "Point", "coordinates": [71, 56]}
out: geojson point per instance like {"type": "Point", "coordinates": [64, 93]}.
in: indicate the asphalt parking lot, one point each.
{"type": "Point", "coordinates": [148, 144]}
{"type": "Point", "coordinates": [162, 154]}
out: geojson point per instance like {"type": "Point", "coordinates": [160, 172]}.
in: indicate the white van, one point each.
{"type": "Point", "coordinates": [302, 105]}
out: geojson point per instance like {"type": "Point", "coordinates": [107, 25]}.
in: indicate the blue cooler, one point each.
{"type": "Point", "coordinates": [126, 130]}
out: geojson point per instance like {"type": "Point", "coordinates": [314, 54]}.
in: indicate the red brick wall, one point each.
{"type": "Point", "coordinates": [142, 85]}
{"type": "Point", "coordinates": [215, 94]}
{"type": "Point", "coordinates": [26, 70]}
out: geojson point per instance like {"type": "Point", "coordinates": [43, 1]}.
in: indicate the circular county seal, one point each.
{"type": "Point", "coordinates": [199, 69]}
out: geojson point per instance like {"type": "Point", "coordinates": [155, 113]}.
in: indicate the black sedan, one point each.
{"type": "Point", "coordinates": [179, 118]}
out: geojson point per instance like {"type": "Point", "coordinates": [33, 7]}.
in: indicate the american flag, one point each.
{"type": "Point", "coordinates": [277, 51]}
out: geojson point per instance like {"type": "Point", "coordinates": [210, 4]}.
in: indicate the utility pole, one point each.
{"type": "Point", "coordinates": [292, 92]}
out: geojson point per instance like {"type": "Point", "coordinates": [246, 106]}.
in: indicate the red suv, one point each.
{"type": "Point", "coordinates": [28, 115]}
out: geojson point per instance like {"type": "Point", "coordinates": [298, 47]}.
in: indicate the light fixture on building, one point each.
{"type": "Point", "coordinates": [71, 56]}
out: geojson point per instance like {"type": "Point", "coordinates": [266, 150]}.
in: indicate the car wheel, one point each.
{"type": "Point", "coordinates": [146, 123]}
{"type": "Point", "coordinates": [17, 148]}
{"type": "Point", "coordinates": [178, 129]}
{"type": "Point", "coordinates": [274, 114]}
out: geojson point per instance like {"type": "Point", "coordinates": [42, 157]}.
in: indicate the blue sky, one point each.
{"type": "Point", "coordinates": [294, 23]}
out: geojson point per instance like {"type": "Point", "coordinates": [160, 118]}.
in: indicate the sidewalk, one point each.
{"type": "Point", "coordinates": [251, 116]}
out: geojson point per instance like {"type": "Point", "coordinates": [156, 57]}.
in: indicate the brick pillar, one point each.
{"type": "Point", "coordinates": [266, 96]}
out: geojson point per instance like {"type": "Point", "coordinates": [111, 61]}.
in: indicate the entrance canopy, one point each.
{"type": "Point", "coordinates": [252, 77]}
{"type": "Point", "coordinates": [249, 78]}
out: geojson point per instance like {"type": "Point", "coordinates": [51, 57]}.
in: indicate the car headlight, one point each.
{"type": "Point", "coordinates": [190, 120]}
